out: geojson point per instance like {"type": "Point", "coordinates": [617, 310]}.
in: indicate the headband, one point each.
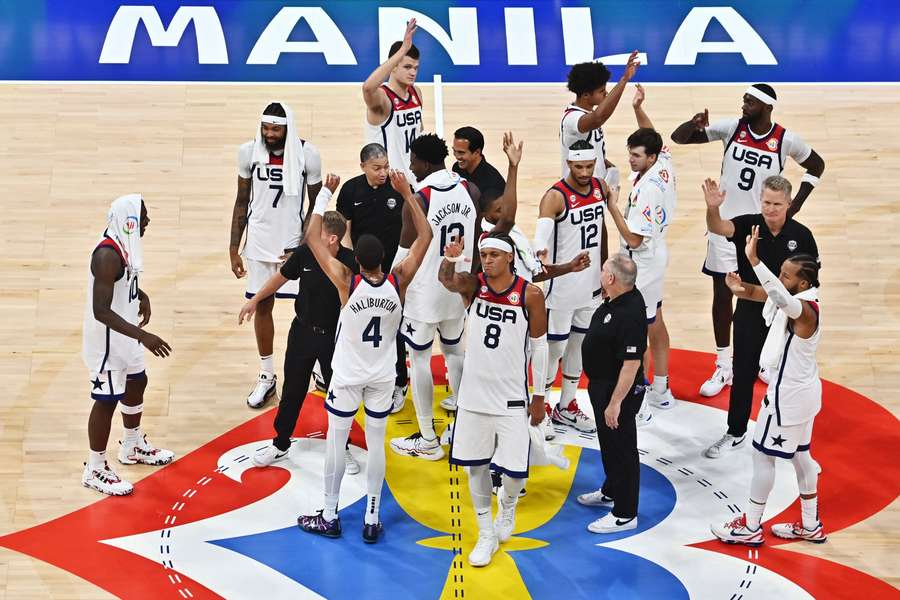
{"type": "Point", "coordinates": [588, 154]}
{"type": "Point", "coordinates": [273, 120]}
{"type": "Point", "coordinates": [492, 242]}
{"type": "Point", "coordinates": [760, 95]}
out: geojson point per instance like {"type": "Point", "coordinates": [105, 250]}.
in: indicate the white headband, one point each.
{"type": "Point", "coordinates": [760, 95]}
{"type": "Point", "coordinates": [588, 154]}
{"type": "Point", "coordinates": [492, 242]}
{"type": "Point", "coordinates": [273, 120]}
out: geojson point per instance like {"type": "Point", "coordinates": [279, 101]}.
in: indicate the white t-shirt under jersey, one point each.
{"type": "Point", "coordinates": [274, 219]}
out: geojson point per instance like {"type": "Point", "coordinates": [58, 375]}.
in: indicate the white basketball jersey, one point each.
{"type": "Point", "coordinates": [365, 349]}
{"type": "Point", "coordinates": [569, 134]}
{"type": "Point", "coordinates": [651, 207]}
{"type": "Point", "coordinates": [495, 370]}
{"type": "Point", "coordinates": [402, 125]}
{"type": "Point", "coordinates": [747, 162]}
{"type": "Point", "coordinates": [452, 215]}
{"type": "Point", "coordinates": [102, 348]}
{"type": "Point", "coordinates": [578, 228]}
{"type": "Point", "coordinates": [795, 388]}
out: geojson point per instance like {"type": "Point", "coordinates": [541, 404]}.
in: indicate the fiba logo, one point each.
{"type": "Point", "coordinates": [130, 226]}
{"type": "Point", "coordinates": [514, 298]}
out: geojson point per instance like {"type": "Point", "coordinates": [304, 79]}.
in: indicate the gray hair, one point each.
{"type": "Point", "coordinates": [623, 268]}
{"type": "Point", "coordinates": [777, 183]}
{"type": "Point", "coordinates": [370, 151]}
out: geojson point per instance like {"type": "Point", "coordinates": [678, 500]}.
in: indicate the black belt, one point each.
{"type": "Point", "coordinates": [316, 328]}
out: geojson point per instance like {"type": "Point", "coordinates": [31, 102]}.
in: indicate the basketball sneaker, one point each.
{"type": "Point", "coordinates": [399, 398]}
{"type": "Point", "coordinates": [664, 401]}
{"type": "Point", "coordinates": [642, 419]}
{"type": "Point", "coordinates": [547, 424]}
{"type": "Point", "coordinates": [719, 379]}
{"type": "Point", "coordinates": [449, 403]}
{"type": "Point", "coordinates": [505, 521]}
{"type": "Point", "coordinates": [737, 532]}
{"type": "Point", "coordinates": [263, 391]}
{"type": "Point", "coordinates": [105, 480]}
{"type": "Point", "coordinates": [796, 531]}
{"type": "Point", "coordinates": [416, 445]}
{"type": "Point", "coordinates": [597, 498]}
{"type": "Point", "coordinates": [726, 443]}
{"type": "Point", "coordinates": [484, 549]}
{"type": "Point", "coordinates": [609, 523]}
{"type": "Point", "coordinates": [764, 375]}
{"type": "Point", "coordinates": [447, 434]}
{"type": "Point", "coordinates": [268, 454]}
{"type": "Point", "coordinates": [371, 533]}
{"type": "Point", "coordinates": [318, 380]}
{"type": "Point", "coordinates": [143, 452]}
{"type": "Point", "coordinates": [318, 525]}
{"type": "Point", "coordinates": [573, 417]}
{"type": "Point", "coordinates": [351, 466]}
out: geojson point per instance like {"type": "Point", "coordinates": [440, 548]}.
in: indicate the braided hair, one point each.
{"type": "Point", "coordinates": [809, 268]}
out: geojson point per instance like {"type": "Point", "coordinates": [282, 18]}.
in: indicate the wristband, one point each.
{"type": "Point", "coordinates": [810, 179]}
{"type": "Point", "coordinates": [322, 201]}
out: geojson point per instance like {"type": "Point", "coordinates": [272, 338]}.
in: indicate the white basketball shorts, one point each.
{"type": "Point", "coordinates": [258, 272]}
{"type": "Point", "coordinates": [109, 386]}
{"type": "Point", "coordinates": [502, 441]}
{"type": "Point", "coordinates": [775, 440]}
{"type": "Point", "coordinates": [420, 335]}
{"type": "Point", "coordinates": [721, 256]}
{"type": "Point", "coordinates": [344, 400]}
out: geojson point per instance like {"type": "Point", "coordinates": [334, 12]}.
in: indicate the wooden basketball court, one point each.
{"type": "Point", "coordinates": [69, 150]}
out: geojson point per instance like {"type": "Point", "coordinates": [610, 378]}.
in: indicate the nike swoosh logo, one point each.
{"type": "Point", "coordinates": [625, 522]}
{"type": "Point", "coordinates": [733, 444]}
{"type": "Point", "coordinates": [306, 270]}
{"type": "Point", "coordinates": [357, 203]}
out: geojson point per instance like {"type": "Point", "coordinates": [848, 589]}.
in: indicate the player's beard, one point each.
{"type": "Point", "coordinates": [276, 146]}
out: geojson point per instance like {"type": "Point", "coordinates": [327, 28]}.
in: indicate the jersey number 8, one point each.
{"type": "Point", "coordinates": [492, 336]}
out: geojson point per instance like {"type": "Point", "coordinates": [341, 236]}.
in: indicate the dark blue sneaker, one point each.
{"type": "Point", "coordinates": [317, 524]}
{"type": "Point", "coordinates": [371, 533]}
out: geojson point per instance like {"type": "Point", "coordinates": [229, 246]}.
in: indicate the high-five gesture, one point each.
{"type": "Point", "coordinates": [513, 151]}
{"type": "Point", "coordinates": [712, 194]}
{"type": "Point", "coordinates": [400, 183]}
{"type": "Point", "coordinates": [750, 248]}
{"type": "Point", "coordinates": [332, 181]}
{"type": "Point", "coordinates": [639, 96]}
{"type": "Point", "coordinates": [631, 66]}
{"type": "Point", "coordinates": [701, 120]}
{"type": "Point", "coordinates": [407, 37]}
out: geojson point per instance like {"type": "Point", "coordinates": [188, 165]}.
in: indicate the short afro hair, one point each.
{"type": "Point", "coordinates": [430, 148]}
{"type": "Point", "coordinates": [471, 135]}
{"type": "Point", "coordinates": [584, 78]}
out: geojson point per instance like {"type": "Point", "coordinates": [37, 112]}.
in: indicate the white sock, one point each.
{"type": "Point", "coordinates": [96, 459]}
{"type": "Point", "coordinates": [422, 390]}
{"type": "Point", "coordinates": [375, 431]}
{"type": "Point", "coordinates": [480, 489]}
{"type": "Point", "coordinates": [810, 510]}
{"type": "Point", "coordinates": [512, 487]}
{"type": "Point", "coordinates": [267, 364]}
{"type": "Point", "coordinates": [754, 514]}
{"type": "Point", "coordinates": [331, 503]}
{"type": "Point", "coordinates": [567, 392]}
{"type": "Point", "coordinates": [132, 436]}
{"type": "Point", "coordinates": [373, 503]}
{"type": "Point", "coordinates": [660, 383]}
{"type": "Point", "coordinates": [723, 357]}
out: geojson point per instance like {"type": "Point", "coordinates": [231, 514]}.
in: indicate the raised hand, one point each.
{"type": "Point", "coordinates": [750, 248]}
{"type": "Point", "coordinates": [638, 96]}
{"type": "Point", "coordinates": [701, 120]}
{"type": "Point", "coordinates": [712, 194]}
{"type": "Point", "coordinates": [734, 283]}
{"type": "Point", "coordinates": [407, 37]}
{"type": "Point", "coordinates": [399, 182]}
{"type": "Point", "coordinates": [513, 151]}
{"type": "Point", "coordinates": [453, 249]}
{"type": "Point", "coordinates": [332, 181]}
{"type": "Point", "coordinates": [631, 66]}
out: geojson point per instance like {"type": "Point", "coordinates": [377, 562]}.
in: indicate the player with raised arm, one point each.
{"type": "Point", "coordinates": [506, 317]}
{"type": "Point", "coordinates": [363, 365]}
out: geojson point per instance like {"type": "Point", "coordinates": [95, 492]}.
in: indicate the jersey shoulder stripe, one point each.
{"type": "Point", "coordinates": [108, 242]}
{"type": "Point", "coordinates": [398, 103]}
{"type": "Point", "coordinates": [768, 143]}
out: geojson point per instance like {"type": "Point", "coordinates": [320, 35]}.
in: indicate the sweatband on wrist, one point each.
{"type": "Point", "coordinates": [539, 360]}
{"type": "Point", "coordinates": [322, 201]}
{"type": "Point", "coordinates": [810, 179]}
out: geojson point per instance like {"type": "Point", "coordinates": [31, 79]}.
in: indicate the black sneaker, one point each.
{"type": "Point", "coordinates": [317, 524]}
{"type": "Point", "coordinates": [371, 533]}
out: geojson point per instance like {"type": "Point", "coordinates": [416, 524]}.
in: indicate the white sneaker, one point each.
{"type": "Point", "coordinates": [447, 435]}
{"type": "Point", "coordinates": [416, 445]}
{"type": "Point", "coordinates": [266, 455]}
{"type": "Point", "coordinates": [264, 389]}
{"type": "Point", "coordinates": [351, 467]}
{"type": "Point", "coordinates": [105, 480]}
{"type": "Point", "coordinates": [764, 376]}
{"type": "Point", "coordinates": [573, 417]}
{"type": "Point", "coordinates": [644, 415]}
{"type": "Point", "coordinates": [718, 380]}
{"type": "Point", "coordinates": [726, 443]}
{"type": "Point", "coordinates": [612, 524]}
{"type": "Point", "coordinates": [737, 532]}
{"type": "Point", "coordinates": [547, 425]}
{"type": "Point", "coordinates": [484, 549]}
{"type": "Point", "coordinates": [595, 499]}
{"type": "Point", "coordinates": [796, 531]}
{"type": "Point", "coordinates": [505, 521]}
{"type": "Point", "coordinates": [399, 398]}
{"type": "Point", "coordinates": [143, 452]}
{"type": "Point", "coordinates": [664, 401]}
{"type": "Point", "coordinates": [449, 403]}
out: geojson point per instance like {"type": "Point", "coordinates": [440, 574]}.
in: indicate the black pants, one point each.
{"type": "Point", "coordinates": [750, 333]}
{"type": "Point", "coordinates": [305, 346]}
{"type": "Point", "coordinates": [618, 447]}
{"type": "Point", "coordinates": [402, 374]}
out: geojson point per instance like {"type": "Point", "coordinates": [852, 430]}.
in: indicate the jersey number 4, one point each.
{"type": "Point", "coordinates": [372, 332]}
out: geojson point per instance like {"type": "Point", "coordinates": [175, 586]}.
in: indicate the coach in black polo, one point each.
{"type": "Point", "coordinates": [468, 150]}
{"type": "Point", "coordinates": [611, 354]}
{"type": "Point", "coordinates": [780, 236]}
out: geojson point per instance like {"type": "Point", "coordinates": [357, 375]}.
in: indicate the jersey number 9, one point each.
{"type": "Point", "coordinates": [747, 177]}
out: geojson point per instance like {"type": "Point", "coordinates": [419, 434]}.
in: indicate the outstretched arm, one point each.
{"type": "Point", "coordinates": [605, 109]}
{"type": "Point", "coordinates": [714, 199]}
{"type": "Point", "coordinates": [637, 102]}
{"type": "Point", "coordinates": [406, 269]}
{"type": "Point", "coordinates": [377, 103]}
{"type": "Point", "coordinates": [581, 262]}
{"type": "Point", "coordinates": [336, 271]}
{"type": "Point", "coordinates": [693, 131]}
{"type": "Point", "coordinates": [509, 199]}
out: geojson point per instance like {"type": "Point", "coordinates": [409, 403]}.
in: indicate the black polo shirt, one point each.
{"type": "Point", "coordinates": [318, 303]}
{"type": "Point", "coordinates": [374, 210]}
{"type": "Point", "coordinates": [486, 177]}
{"type": "Point", "coordinates": [793, 238]}
{"type": "Point", "coordinates": [618, 332]}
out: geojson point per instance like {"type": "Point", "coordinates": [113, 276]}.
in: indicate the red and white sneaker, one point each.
{"type": "Point", "coordinates": [143, 452]}
{"type": "Point", "coordinates": [737, 532]}
{"type": "Point", "coordinates": [573, 417]}
{"type": "Point", "coordinates": [105, 480]}
{"type": "Point", "coordinates": [796, 531]}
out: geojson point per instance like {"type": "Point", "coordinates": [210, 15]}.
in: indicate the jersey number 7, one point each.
{"type": "Point", "coordinates": [280, 189]}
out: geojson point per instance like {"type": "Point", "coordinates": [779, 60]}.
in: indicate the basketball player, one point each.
{"type": "Point", "coordinates": [506, 316]}
{"type": "Point", "coordinates": [571, 221]}
{"type": "Point", "coordinates": [273, 171]}
{"type": "Point", "coordinates": [364, 355]}
{"type": "Point", "coordinates": [116, 311]}
{"type": "Point", "coordinates": [451, 204]}
{"type": "Point", "coordinates": [394, 109]}
{"type": "Point", "coordinates": [755, 148]}
{"type": "Point", "coordinates": [583, 119]}
{"type": "Point", "coordinates": [785, 421]}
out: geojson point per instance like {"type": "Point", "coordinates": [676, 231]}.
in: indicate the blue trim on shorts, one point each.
{"type": "Point", "coordinates": [469, 463]}
{"type": "Point", "coordinates": [449, 342]}
{"type": "Point", "coordinates": [706, 271]}
{"type": "Point", "coordinates": [803, 448]}
{"type": "Point", "coordinates": [414, 345]}
{"type": "Point", "coordinates": [557, 337]}
{"type": "Point", "coordinates": [108, 397]}
{"type": "Point", "coordinates": [578, 329]}
{"type": "Point", "coordinates": [340, 413]}
{"type": "Point", "coordinates": [771, 452]}
{"type": "Point", "coordinates": [651, 320]}
{"type": "Point", "coordinates": [377, 415]}
{"type": "Point", "coordinates": [513, 474]}
{"type": "Point", "coordinates": [136, 376]}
